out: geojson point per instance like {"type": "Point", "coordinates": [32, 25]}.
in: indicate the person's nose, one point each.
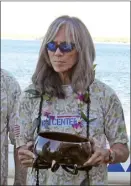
{"type": "Point", "coordinates": [58, 52]}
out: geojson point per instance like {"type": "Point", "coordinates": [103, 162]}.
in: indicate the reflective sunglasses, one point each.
{"type": "Point", "coordinates": [63, 46]}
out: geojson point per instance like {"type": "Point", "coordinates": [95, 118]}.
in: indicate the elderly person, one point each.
{"type": "Point", "coordinates": [10, 92]}
{"type": "Point", "coordinates": [64, 73]}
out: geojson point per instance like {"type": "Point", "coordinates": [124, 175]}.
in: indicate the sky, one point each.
{"type": "Point", "coordinates": [31, 19]}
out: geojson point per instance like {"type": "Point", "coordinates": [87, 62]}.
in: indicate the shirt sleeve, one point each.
{"type": "Point", "coordinates": [115, 128]}
{"type": "Point", "coordinates": [13, 93]}
{"type": "Point", "coordinates": [24, 129]}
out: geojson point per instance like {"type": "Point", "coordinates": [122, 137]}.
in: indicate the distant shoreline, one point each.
{"type": "Point", "coordinates": [118, 43]}
{"type": "Point", "coordinates": [120, 40]}
{"type": "Point", "coordinates": [105, 40]}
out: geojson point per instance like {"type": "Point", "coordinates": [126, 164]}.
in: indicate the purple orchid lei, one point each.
{"type": "Point", "coordinates": [81, 99]}
{"type": "Point", "coordinates": [48, 115]}
{"type": "Point", "coordinates": [47, 112]}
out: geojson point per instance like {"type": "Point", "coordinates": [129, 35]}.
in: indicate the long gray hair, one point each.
{"type": "Point", "coordinates": [45, 79]}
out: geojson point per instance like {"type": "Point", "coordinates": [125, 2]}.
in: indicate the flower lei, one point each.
{"type": "Point", "coordinates": [81, 99]}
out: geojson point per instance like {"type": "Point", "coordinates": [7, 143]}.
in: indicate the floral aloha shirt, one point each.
{"type": "Point", "coordinates": [10, 92]}
{"type": "Point", "coordinates": [109, 126]}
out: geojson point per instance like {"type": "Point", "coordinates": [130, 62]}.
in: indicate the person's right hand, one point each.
{"type": "Point", "coordinates": [25, 155]}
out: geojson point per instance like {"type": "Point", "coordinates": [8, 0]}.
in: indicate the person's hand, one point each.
{"type": "Point", "coordinates": [25, 155]}
{"type": "Point", "coordinates": [98, 157]}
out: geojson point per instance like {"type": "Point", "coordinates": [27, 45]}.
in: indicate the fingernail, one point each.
{"type": "Point", "coordinates": [87, 163]}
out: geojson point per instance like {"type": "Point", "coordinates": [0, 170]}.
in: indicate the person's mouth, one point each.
{"type": "Point", "coordinates": [59, 62]}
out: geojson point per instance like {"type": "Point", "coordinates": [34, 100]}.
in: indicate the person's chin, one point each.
{"type": "Point", "coordinates": [59, 70]}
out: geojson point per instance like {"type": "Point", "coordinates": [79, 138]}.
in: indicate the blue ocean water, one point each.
{"type": "Point", "coordinates": [113, 65]}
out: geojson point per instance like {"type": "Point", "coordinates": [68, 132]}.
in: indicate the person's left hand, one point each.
{"type": "Point", "coordinates": [99, 156]}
